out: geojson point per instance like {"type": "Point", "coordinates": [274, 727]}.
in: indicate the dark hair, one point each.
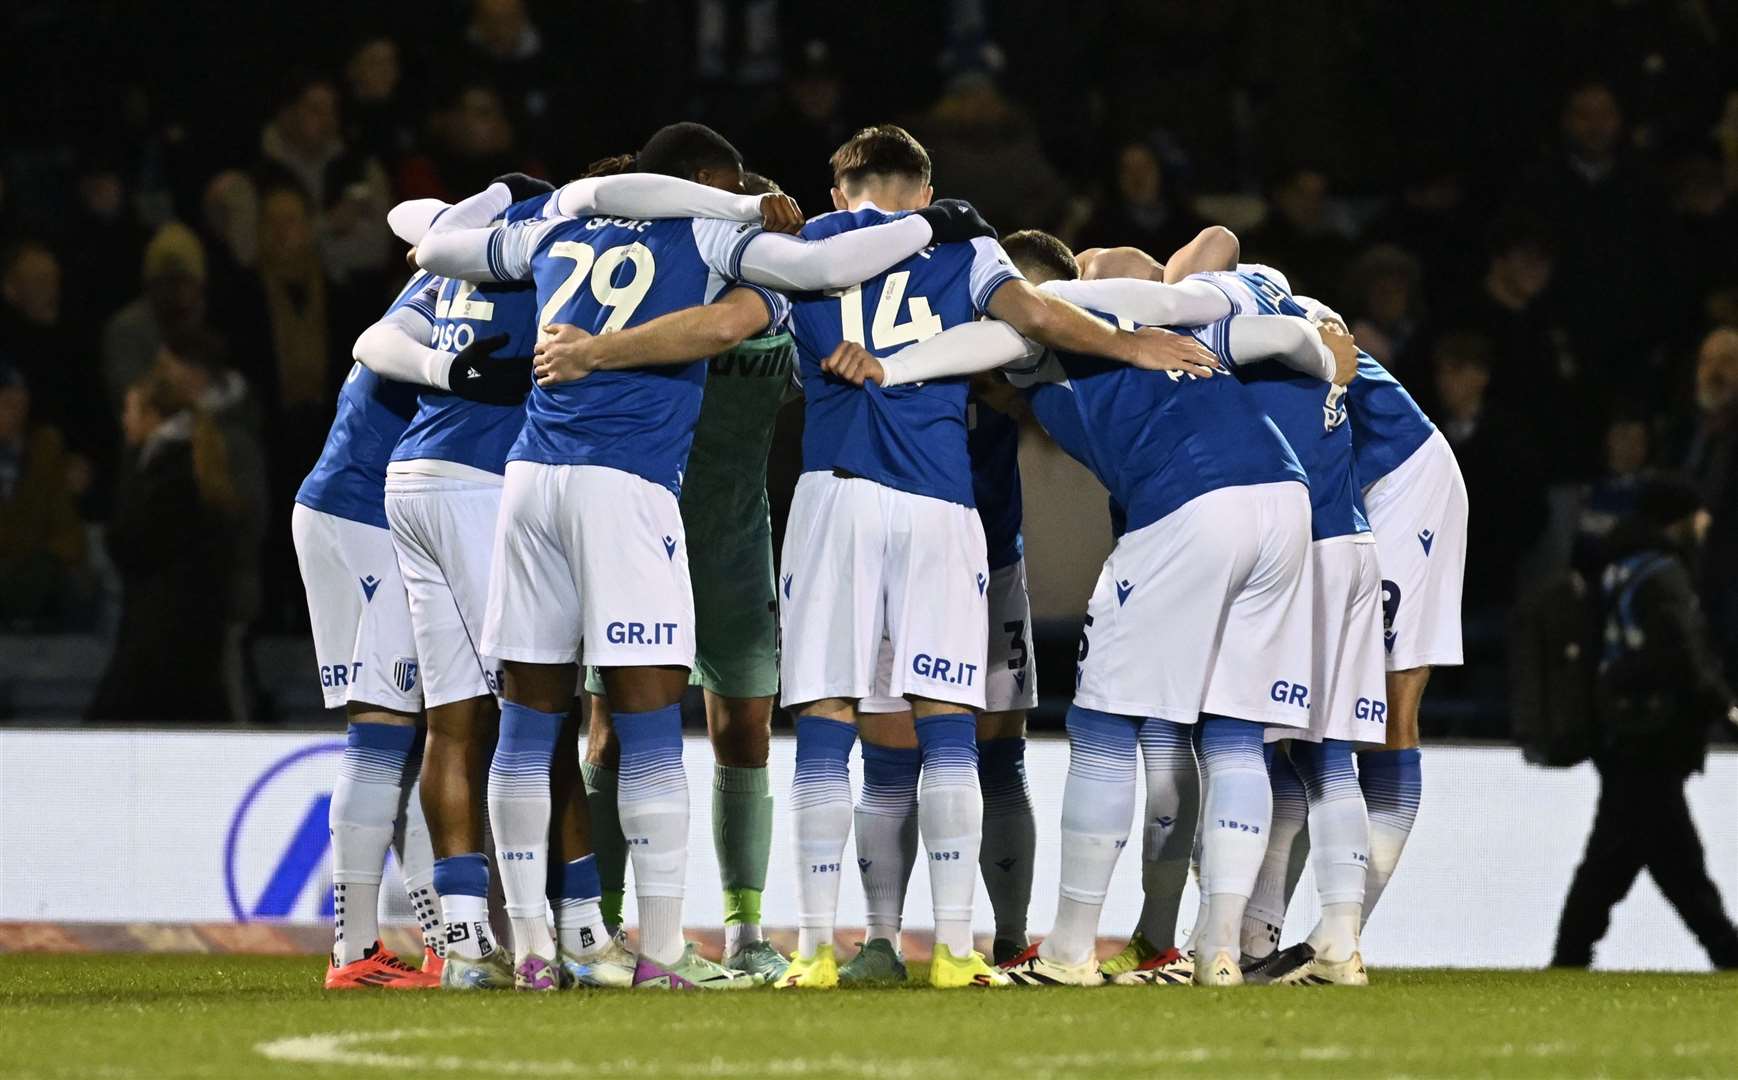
{"type": "Point", "coordinates": [881, 150]}
{"type": "Point", "coordinates": [755, 184]}
{"type": "Point", "coordinates": [1035, 251]}
{"type": "Point", "coordinates": [684, 149]}
{"type": "Point", "coordinates": [613, 165]}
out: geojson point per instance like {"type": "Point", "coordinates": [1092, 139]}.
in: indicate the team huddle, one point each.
{"type": "Point", "coordinates": [547, 475]}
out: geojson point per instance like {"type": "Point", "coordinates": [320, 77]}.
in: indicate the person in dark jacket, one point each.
{"type": "Point", "coordinates": [1659, 688]}
{"type": "Point", "coordinates": [168, 540]}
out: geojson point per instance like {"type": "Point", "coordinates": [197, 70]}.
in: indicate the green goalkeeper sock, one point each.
{"type": "Point", "coordinates": [606, 840]}
{"type": "Point", "coordinates": [742, 837]}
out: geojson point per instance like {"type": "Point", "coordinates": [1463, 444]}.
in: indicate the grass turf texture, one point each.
{"type": "Point", "coordinates": [150, 1016]}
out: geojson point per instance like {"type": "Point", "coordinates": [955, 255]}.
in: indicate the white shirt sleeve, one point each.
{"type": "Point", "coordinates": [788, 262]}
{"type": "Point", "coordinates": [964, 350]}
{"type": "Point", "coordinates": [410, 219]}
{"type": "Point", "coordinates": [393, 348]}
{"type": "Point", "coordinates": [497, 254]}
{"type": "Point", "coordinates": [991, 269]}
{"type": "Point", "coordinates": [1191, 302]}
{"type": "Point", "coordinates": [1292, 341]}
{"type": "Point", "coordinates": [475, 211]}
{"type": "Point", "coordinates": [649, 195]}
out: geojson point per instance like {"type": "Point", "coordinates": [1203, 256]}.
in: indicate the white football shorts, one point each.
{"type": "Point", "coordinates": [1206, 610]}
{"type": "Point", "coordinates": [863, 561]}
{"type": "Point", "coordinates": [1418, 513]}
{"type": "Point", "coordinates": [357, 608]}
{"type": "Point", "coordinates": [592, 555]}
{"type": "Point", "coordinates": [1012, 682]}
{"type": "Point", "coordinates": [1348, 689]}
{"type": "Point", "coordinates": [444, 530]}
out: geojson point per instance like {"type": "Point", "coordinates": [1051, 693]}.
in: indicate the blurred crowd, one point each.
{"type": "Point", "coordinates": [1529, 212]}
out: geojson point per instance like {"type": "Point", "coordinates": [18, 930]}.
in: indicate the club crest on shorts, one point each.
{"type": "Point", "coordinates": [404, 674]}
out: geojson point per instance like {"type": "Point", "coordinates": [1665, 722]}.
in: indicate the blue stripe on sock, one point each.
{"type": "Point", "coordinates": [948, 746]}
{"type": "Point", "coordinates": [822, 737]}
{"type": "Point", "coordinates": [580, 881]}
{"type": "Point", "coordinates": [520, 767]}
{"type": "Point", "coordinates": [651, 745]}
{"type": "Point", "coordinates": [1393, 783]}
{"type": "Point", "coordinates": [890, 778]}
{"type": "Point", "coordinates": [1326, 769]}
{"type": "Point", "coordinates": [1167, 745]}
{"type": "Point", "coordinates": [377, 753]}
{"type": "Point", "coordinates": [1289, 794]}
{"type": "Point", "coordinates": [1224, 738]}
{"type": "Point", "coordinates": [823, 772]}
{"type": "Point", "coordinates": [462, 875]}
{"type": "Point", "coordinates": [1002, 773]}
{"type": "Point", "coordinates": [1101, 745]}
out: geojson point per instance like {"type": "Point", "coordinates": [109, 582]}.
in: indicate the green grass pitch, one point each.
{"type": "Point", "coordinates": [142, 1017]}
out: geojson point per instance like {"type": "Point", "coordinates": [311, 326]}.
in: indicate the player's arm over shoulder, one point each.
{"type": "Point", "coordinates": [677, 337]}
{"type": "Point", "coordinates": [788, 262]}
{"type": "Point", "coordinates": [501, 253]}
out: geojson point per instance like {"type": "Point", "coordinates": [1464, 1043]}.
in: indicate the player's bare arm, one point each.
{"type": "Point", "coordinates": [1053, 321]}
{"type": "Point", "coordinates": [1119, 262]}
{"type": "Point", "coordinates": [1214, 248]}
{"type": "Point", "coordinates": [567, 353]}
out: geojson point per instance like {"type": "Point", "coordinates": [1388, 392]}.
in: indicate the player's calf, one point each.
{"type": "Point", "coordinates": [652, 798]}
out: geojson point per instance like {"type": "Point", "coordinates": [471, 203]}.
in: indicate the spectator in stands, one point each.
{"type": "Point", "coordinates": [1301, 236]}
{"type": "Point", "coordinates": [377, 114]}
{"type": "Point", "coordinates": [1611, 498]}
{"type": "Point", "coordinates": [984, 149]}
{"type": "Point", "coordinates": [44, 582]}
{"type": "Point", "coordinates": [1431, 216]}
{"type": "Point", "coordinates": [54, 352]}
{"type": "Point", "coordinates": [1712, 462]}
{"type": "Point", "coordinates": [474, 142]}
{"type": "Point", "coordinates": [169, 541]}
{"type": "Point", "coordinates": [1660, 688]}
{"type": "Point", "coordinates": [1511, 305]}
{"type": "Point", "coordinates": [229, 230]}
{"type": "Point", "coordinates": [303, 364]}
{"type": "Point", "coordinates": [1387, 310]}
{"type": "Point", "coordinates": [173, 303]}
{"type": "Point", "coordinates": [1144, 209]}
{"type": "Point", "coordinates": [100, 277]}
{"type": "Point", "coordinates": [793, 141]}
{"type": "Point", "coordinates": [346, 187]}
{"type": "Point", "coordinates": [1704, 236]}
{"type": "Point", "coordinates": [1498, 464]}
{"type": "Point", "coordinates": [1608, 222]}
{"type": "Point", "coordinates": [503, 48]}
{"type": "Point", "coordinates": [194, 366]}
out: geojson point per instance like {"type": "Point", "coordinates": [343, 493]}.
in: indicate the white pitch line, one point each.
{"type": "Point", "coordinates": [361, 1049]}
